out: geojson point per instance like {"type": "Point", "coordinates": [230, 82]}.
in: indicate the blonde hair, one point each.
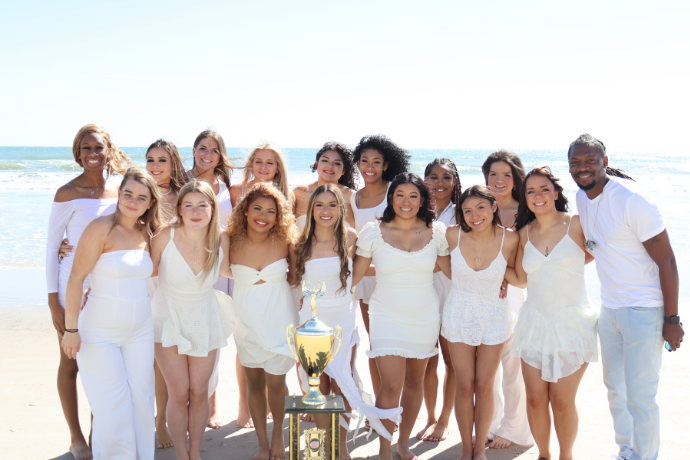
{"type": "Point", "coordinates": [177, 175]}
{"type": "Point", "coordinates": [151, 219]}
{"type": "Point", "coordinates": [283, 230]}
{"type": "Point", "coordinates": [224, 168]}
{"type": "Point", "coordinates": [304, 245]}
{"type": "Point", "coordinates": [281, 178]}
{"type": "Point", "coordinates": [117, 160]}
{"type": "Point", "coordinates": [213, 233]}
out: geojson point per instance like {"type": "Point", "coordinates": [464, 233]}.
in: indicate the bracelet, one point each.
{"type": "Point", "coordinates": [71, 330]}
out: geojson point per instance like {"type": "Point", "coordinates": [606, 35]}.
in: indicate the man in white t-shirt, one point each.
{"type": "Point", "coordinates": [639, 293]}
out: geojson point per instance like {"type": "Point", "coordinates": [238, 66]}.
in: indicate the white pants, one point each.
{"type": "Point", "coordinates": [116, 368]}
{"type": "Point", "coordinates": [510, 403]}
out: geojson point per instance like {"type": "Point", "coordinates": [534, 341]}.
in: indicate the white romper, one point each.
{"type": "Point", "coordinates": [474, 314]}
{"type": "Point", "coordinates": [264, 312]}
{"type": "Point", "coordinates": [404, 318]}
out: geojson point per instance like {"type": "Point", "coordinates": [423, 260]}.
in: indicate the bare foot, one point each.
{"type": "Point", "coordinates": [262, 454]}
{"type": "Point", "coordinates": [405, 452]}
{"type": "Point", "coordinates": [439, 433]}
{"type": "Point", "coordinates": [163, 436]}
{"type": "Point", "coordinates": [474, 440]}
{"type": "Point", "coordinates": [277, 445]}
{"type": "Point", "coordinates": [465, 455]}
{"type": "Point", "coordinates": [499, 443]}
{"type": "Point", "coordinates": [479, 454]}
{"type": "Point", "coordinates": [244, 420]}
{"type": "Point", "coordinates": [306, 417]}
{"type": "Point", "coordinates": [426, 431]}
{"type": "Point", "coordinates": [80, 451]}
{"type": "Point", "coordinates": [269, 416]}
{"type": "Point", "coordinates": [214, 422]}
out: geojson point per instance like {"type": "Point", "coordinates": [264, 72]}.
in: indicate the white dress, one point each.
{"type": "Point", "coordinates": [69, 219]}
{"type": "Point", "coordinates": [404, 317]}
{"type": "Point", "coordinates": [556, 331]}
{"type": "Point", "coordinates": [474, 314]}
{"type": "Point", "coordinates": [187, 311]}
{"type": "Point", "coordinates": [365, 288]}
{"type": "Point", "coordinates": [264, 312]}
{"type": "Point", "coordinates": [441, 282]}
{"type": "Point", "coordinates": [116, 356]}
{"type": "Point", "coordinates": [336, 308]}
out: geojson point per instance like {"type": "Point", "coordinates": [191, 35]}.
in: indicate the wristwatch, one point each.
{"type": "Point", "coordinates": [675, 319]}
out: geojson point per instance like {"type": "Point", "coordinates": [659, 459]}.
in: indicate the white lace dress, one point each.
{"type": "Point", "coordinates": [404, 316]}
{"type": "Point", "coordinates": [187, 311]}
{"type": "Point", "coordinates": [474, 314]}
{"type": "Point", "coordinates": [556, 330]}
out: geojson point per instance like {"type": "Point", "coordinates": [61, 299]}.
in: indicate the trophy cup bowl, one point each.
{"type": "Point", "coordinates": [313, 346]}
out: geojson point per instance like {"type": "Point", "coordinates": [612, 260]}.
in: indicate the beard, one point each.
{"type": "Point", "coordinates": [586, 187]}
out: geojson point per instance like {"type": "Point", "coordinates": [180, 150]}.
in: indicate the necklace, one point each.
{"type": "Point", "coordinates": [329, 244]}
{"type": "Point", "coordinates": [91, 188]}
{"type": "Point", "coordinates": [590, 244]}
{"type": "Point", "coordinates": [167, 193]}
{"type": "Point", "coordinates": [190, 243]}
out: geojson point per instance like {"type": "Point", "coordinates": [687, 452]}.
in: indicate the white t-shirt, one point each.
{"type": "Point", "coordinates": [618, 221]}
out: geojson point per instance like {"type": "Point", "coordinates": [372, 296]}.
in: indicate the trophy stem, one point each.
{"type": "Point", "coordinates": [314, 397]}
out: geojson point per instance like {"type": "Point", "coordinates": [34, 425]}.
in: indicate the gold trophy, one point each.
{"type": "Point", "coordinates": [314, 341]}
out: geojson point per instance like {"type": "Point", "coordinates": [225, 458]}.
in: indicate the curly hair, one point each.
{"type": "Point", "coordinates": [446, 163]}
{"type": "Point", "coordinates": [303, 246]}
{"type": "Point", "coordinates": [397, 158]}
{"type": "Point", "coordinates": [349, 171]}
{"type": "Point", "coordinates": [118, 161]}
{"type": "Point", "coordinates": [515, 163]}
{"type": "Point", "coordinates": [591, 141]}
{"type": "Point", "coordinates": [177, 176]}
{"type": "Point", "coordinates": [284, 229]}
{"type": "Point", "coordinates": [426, 211]}
{"type": "Point", "coordinates": [478, 191]}
{"type": "Point", "coordinates": [525, 215]}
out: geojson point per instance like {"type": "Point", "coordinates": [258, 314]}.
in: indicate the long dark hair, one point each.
{"type": "Point", "coordinates": [446, 163]}
{"type": "Point", "coordinates": [349, 170]}
{"type": "Point", "coordinates": [304, 244]}
{"type": "Point", "coordinates": [426, 210]}
{"type": "Point", "coordinates": [515, 163]}
{"type": "Point", "coordinates": [478, 191]}
{"type": "Point", "coordinates": [177, 175]}
{"type": "Point", "coordinates": [525, 215]}
{"type": "Point", "coordinates": [397, 158]}
{"type": "Point", "coordinates": [591, 141]}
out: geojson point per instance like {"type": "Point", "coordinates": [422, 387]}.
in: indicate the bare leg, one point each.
{"type": "Point", "coordinates": [411, 403]}
{"type": "Point", "coordinates": [200, 370]}
{"type": "Point", "coordinates": [430, 394]}
{"type": "Point", "coordinates": [162, 433]}
{"type": "Point", "coordinates": [392, 369]}
{"type": "Point", "coordinates": [440, 431]}
{"type": "Point", "coordinates": [277, 390]}
{"type": "Point", "coordinates": [538, 415]}
{"type": "Point", "coordinates": [67, 390]}
{"type": "Point", "coordinates": [175, 369]}
{"type": "Point", "coordinates": [244, 420]}
{"type": "Point", "coordinates": [488, 359]}
{"type": "Point", "coordinates": [565, 417]}
{"type": "Point", "coordinates": [213, 419]}
{"type": "Point", "coordinates": [464, 357]}
{"type": "Point", "coordinates": [373, 369]}
{"type": "Point", "coordinates": [256, 388]}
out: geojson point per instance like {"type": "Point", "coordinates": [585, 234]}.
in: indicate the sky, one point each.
{"type": "Point", "coordinates": [432, 74]}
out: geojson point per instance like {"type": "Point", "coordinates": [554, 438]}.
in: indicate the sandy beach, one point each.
{"type": "Point", "coordinates": [32, 425]}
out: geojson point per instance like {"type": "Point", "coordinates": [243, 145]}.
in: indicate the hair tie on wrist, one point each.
{"type": "Point", "coordinates": [71, 330]}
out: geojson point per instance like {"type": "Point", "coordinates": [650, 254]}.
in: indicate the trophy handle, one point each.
{"type": "Point", "coordinates": [289, 335]}
{"type": "Point", "coordinates": [337, 334]}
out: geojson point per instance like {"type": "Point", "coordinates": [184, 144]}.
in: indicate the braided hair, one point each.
{"type": "Point", "coordinates": [591, 141]}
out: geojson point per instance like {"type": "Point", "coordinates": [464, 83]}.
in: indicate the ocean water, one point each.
{"type": "Point", "coordinates": [29, 177]}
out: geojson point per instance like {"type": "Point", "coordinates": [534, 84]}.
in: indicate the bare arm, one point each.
{"type": "Point", "coordinates": [225, 263]}
{"type": "Point", "coordinates": [660, 250]}
{"type": "Point", "coordinates": [443, 265]}
{"type": "Point", "coordinates": [517, 275]}
{"type": "Point", "coordinates": [292, 265]}
{"type": "Point", "coordinates": [360, 268]}
{"type": "Point", "coordinates": [578, 236]}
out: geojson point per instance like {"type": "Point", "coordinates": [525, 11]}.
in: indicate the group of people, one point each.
{"type": "Point", "coordinates": [148, 278]}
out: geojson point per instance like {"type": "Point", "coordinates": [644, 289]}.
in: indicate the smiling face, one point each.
{"type": "Point", "coordinates": [441, 182]}
{"type": "Point", "coordinates": [196, 210]}
{"type": "Point", "coordinates": [134, 199]}
{"type": "Point", "coordinates": [478, 213]}
{"type": "Point", "coordinates": [159, 165]}
{"type": "Point", "coordinates": [326, 209]}
{"type": "Point", "coordinates": [372, 165]}
{"type": "Point", "coordinates": [406, 201]}
{"type": "Point", "coordinates": [540, 195]}
{"type": "Point", "coordinates": [265, 165]}
{"type": "Point", "coordinates": [587, 166]}
{"type": "Point", "coordinates": [261, 214]}
{"type": "Point", "coordinates": [500, 178]}
{"type": "Point", "coordinates": [206, 155]}
{"type": "Point", "coordinates": [93, 152]}
{"type": "Point", "coordinates": [330, 167]}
